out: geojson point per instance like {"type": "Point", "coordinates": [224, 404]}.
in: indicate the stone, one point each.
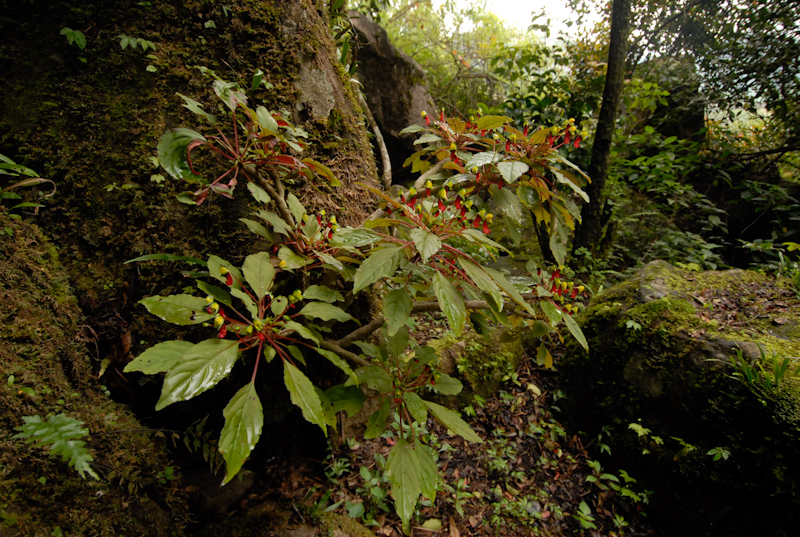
{"type": "Point", "coordinates": [669, 371]}
{"type": "Point", "coordinates": [394, 87]}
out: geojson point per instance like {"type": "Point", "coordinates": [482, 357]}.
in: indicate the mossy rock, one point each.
{"type": "Point", "coordinates": [45, 369]}
{"type": "Point", "coordinates": [659, 356]}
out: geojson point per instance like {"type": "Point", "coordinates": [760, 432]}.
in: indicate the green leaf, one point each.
{"type": "Point", "coordinates": [293, 261]}
{"type": "Point", "coordinates": [166, 257]}
{"type": "Point", "coordinates": [397, 306]}
{"type": "Point", "coordinates": [229, 93]}
{"type": "Point", "coordinates": [512, 170]}
{"type": "Point", "coordinates": [197, 108]}
{"type": "Point", "coordinates": [201, 368]}
{"type": "Point", "coordinates": [481, 159]}
{"type": "Point", "coordinates": [412, 129]}
{"type": "Point", "coordinates": [575, 330]}
{"type": "Point", "coordinates": [244, 420]}
{"type": "Point", "coordinates": [258, 76]}
{"type": "Point", "coordinates": [159, 358]}
{"type": "Point", "coordinates": [355, 238]}
{"type": "Point", "coordinates": [349, 399]}
{"type": "Point", "coordinates": [301, 330]}
{"type": "Point", "coordinates": [381, 264]}
{"type": "Point", "coordinates": [397, 343]}
{"type": "Point", "coordinates": [426, 242]}
{"type": "Point", "coordinates": [322, 293]}
{"type": "Point", "coordinates": [427, 138]}
{"type": "Point", "coordinates": [248, 302]}
{"type": "Point", "coordinates": [215, 264]}
{"type": "Point", "coordinates": [474, 235]}
{"type": "Point", "coordinates": [61, 433]}
{"type": "Point", "coordinates": [483, 281]}
{"type": "Point", "coordinates": [453, 421]}
{"type": "Point", "coordinates": [416, 407]}
{"type": "Point", "coordinates": [258, 229]}
{"type": "Point", "coordinates": [334, 358]}
{"type": "Point", "coordinates": [403, 471]}
{"type": "Point", "coordinates": [326, 312]}
{"type": "Point", "coordinates": [492, 122]}
{"type": "Point", "coordinates": [178, 309]}
{"type": "Point", "coordinates": [278, 224]}
{"type": "Point", "coordinates": [295, 207]}
{"type": "Point", "coordinates": [278, 305]}
{"type": "Point", "coordinates": [507, 203]}
{"type": "Point", "coordinates": [172, 152]}
{"type": "Point", "coordinates": [509, 289]}
{"type": "Point", "coordinates": [551, 311]}
{"type": "Point", "coordinates": [259, 273]}
{"type": "Point", "coordinates": [219, 294]}
{"type": "Point", "coordinates": [428, 472]}
{"type": "Point", "coordinates": [329, 260]}
{"type": "Point", "coordinates": [451, 302]}
{"type": "Point", "coordinates": [539, 329]}
{"type": "Point", "coordinates": [447, 385]}
{"type": "Point", "coordinates": [376, 423]}
{"type": "Point", "coordinates": [375, 377]}
{"type": "Point", "coordinates": [259, 194]}
{"type": "Point", "coordinates": [304, 396]}
{"type": "Point", "coordinates": [266, 120]}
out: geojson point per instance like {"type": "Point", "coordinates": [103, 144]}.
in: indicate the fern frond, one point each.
{"type": "Point", "coordinates": [61, 433]}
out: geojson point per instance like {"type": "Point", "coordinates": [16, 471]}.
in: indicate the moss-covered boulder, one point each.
{"type": "Point", "coordinates": [46, 370]}
{"type": "Point", "coordinates": [660, 359]}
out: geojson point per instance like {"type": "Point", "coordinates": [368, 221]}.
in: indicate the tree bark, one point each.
{"type": "Point", "coordinates": [589, 233]}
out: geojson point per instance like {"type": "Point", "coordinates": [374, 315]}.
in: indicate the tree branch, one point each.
{"type": "Point", "coordinates": [386, 175]}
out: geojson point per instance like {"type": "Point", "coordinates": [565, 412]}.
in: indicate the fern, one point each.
{"type": "Point", "coordinates": [61, 433]}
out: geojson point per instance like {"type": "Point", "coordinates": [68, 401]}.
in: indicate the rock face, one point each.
{"type": "Point", "coordinates": [660, 348]}
{"type": "Point", "coordinates": [394, 87]}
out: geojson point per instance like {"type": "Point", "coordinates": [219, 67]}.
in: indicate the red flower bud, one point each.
{"type": "Point", "coordinates": [223, 331]}
{"type": "Point", "coordinates": [485, 227]}
{"type": "Point", "coordinates": [567, 137]}
{"type": "Point", "coordinates": [229, 280]}
{"type": "Point", "coordinates": [577, 142]}
{"type": "Point", "coordinates": [441, 206]}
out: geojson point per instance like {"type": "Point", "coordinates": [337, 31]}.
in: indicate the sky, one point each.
{"type": "Point", "coordinates": [517, 13]}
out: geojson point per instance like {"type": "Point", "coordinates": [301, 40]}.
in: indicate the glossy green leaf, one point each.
{"type": "Point", "coordinates": [229, 93]}
{"type": "Point", "coordinates": [266, 120]}
{"type": "Point", "coordinates": [323, 294]}
{"type": "Point", "coordinates": [381, 264]}
{"type": "Point", "coordinates": [507, 203]}
{"type": "Point", "coordinates": [258, 229]}
{"type": "Point", "coordinates": [551, 311]}
{"type": "Point", "coordinates": [178, 309]}
{"type": "Point", "coordinates": [474, 235]}
{"type": "Point", "coordinates": [427, 243]}
{"type": "Point", "coordinates": [248, 302]}
{"type": "Point", "coordinates": [397, 306]}
{"type": "Point", "coordinates": [259, 273]}
{"type": "Point", "coordinates": [244, 420]}
{"type": "Point", "coordinates": [481, 159]}
{"type": "Point", "coordinates": [416, 407]}
{"type": "Point", "coordinates": [403, 471]}
{"type": "Point", "coordinates": [453, 421]}
{"type": "Point", "coordinates": [326, 312]}
{"type": "Point", "coordinates": [427, 138]}
{"type": "Point", "coordinates": [451, 302]}
{"type": "Point", "coordinates": [159, 358]}
{"type": "Point", "coordinates": [349, 399]}
{"type": "Point", "coordinates": [329, 260]}
{"type": "Point", "coordinates": [172, 152]}
{"type": "Point", "coordinates": [304, 396]}
{"type": "Point", "coordinates": [509, 289]}
{"type": "Point", "coordinates": [201, 368]}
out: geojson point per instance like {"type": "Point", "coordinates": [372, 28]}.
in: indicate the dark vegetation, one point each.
{"type": "Point", "coordinates": [700, 168]}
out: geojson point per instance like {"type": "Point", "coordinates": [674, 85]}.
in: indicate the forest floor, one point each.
{"type": "Point", "coordinates": [529, 477]}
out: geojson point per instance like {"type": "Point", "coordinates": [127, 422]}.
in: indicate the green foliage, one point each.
{"type": "Point", "coordinates": [61, 433]}
{"type": "Point", "coordinates": [126, 41]}
{"type": "Point", "coordinates": [74, 37]}
{"type": "Point", "coordinates": [411, 250]}
{"type": "Point", "coordinates": [10, 168]}
{"type": "Point", "coordinates": [763, 376]}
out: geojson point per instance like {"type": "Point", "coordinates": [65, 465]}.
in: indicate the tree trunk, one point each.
{"type": "Point", "coordinates": [90, 119]}
{"type": "Point", "coordinates": [589, 234]}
